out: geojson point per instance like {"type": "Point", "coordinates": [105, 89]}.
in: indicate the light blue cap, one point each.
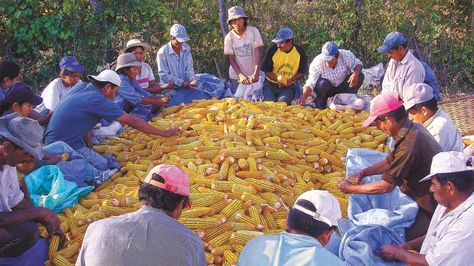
{"type": "Point", "coordinates": [329, 50]}
{"type": "Point", "coordinates": [282, 35]}
{"type": "Point", "coordinates": [392, 40]}
{"type": "Point", "coordinates": [179, 32]}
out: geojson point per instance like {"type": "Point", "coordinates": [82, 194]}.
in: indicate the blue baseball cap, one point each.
{"type": "Point", "coordinates": [20, 92]}
{"type": "Point", "coordinates": [71, 63]}
{"type": "Point", "coordinates": [393, 39]}
{"type": "Point", "coordinates": [329, 50]}
{"type": "Point", "coordinates": [179, 32]}
{"type": "Point", "coordinates": [282, 35]}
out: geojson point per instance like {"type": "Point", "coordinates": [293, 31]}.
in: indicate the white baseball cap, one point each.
{"type": "Point", "coordinates": [417, 93]}
{"type": "Point", "coordinates": [327, 207]}
{"type": "Point", "coordinates": [107, 76]}
{"type": "Point", "coordinates": [449, 162]}
{"type": "Point", "coordinates": [179, 32]}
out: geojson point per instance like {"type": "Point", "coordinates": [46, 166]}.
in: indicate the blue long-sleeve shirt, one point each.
{"type": "Point", "coordinates": [172, 66]}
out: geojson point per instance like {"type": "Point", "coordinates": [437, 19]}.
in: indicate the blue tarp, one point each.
{"type": "Point", "coordinates": [209, 86]}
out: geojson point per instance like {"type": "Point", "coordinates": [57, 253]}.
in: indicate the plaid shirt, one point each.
{"type": "Point", "coordinates": [345, 65]}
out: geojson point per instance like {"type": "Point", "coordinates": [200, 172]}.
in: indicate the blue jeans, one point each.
{"type": "Point", "coordinates": [272, 92]}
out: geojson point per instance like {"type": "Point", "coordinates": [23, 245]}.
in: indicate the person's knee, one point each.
{"type": "Point", "coordinates": [23, 237]}
{"type": "Point", "coordinates": [323, 86]}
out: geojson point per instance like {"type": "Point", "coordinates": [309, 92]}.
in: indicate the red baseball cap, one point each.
{"type": "Point", "coordinates": [175, 180]}
{"type": "Point", "coordinates": [383, 103]}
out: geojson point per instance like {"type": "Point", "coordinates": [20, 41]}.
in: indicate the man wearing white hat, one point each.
{"type": "Point", "coordinates": [311, 222]}
{"type": "Point", "coordinates": [20, 142]}
{"type": "Point", "coordinates": [422, 107]}
{"type": "Point", "coordinates": [450, 238]}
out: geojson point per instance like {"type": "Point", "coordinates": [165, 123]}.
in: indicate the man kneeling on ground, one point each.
{"type": "Point", "coordinates": [311, 222]}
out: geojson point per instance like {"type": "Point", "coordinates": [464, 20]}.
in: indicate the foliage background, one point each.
{"type": "Point", "coordinates": [37, 33]}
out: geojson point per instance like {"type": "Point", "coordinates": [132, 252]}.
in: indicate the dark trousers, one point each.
{"type": "Point", "coordinates": [419, 226]}
{"type": "Point", "coordinates": [272, 92]}
{"type": "Point", "coordinates": [324, 89]}
{"type": "Point", "coordinates": [17, 239]}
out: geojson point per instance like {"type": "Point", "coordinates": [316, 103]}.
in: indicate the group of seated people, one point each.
{"type": "Point", "coordinates": [428, 146]}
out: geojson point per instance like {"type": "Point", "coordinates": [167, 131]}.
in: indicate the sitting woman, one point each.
{"type": "Point", "coordinates": [131, 97]}
{"type": "Point", "coordinates": [146, 78]}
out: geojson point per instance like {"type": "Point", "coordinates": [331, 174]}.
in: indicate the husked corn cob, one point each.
{"type": "Point", "coordinates": [230, 257]}
{"type": "Point", "coordinates": [241, 237]}
{"type": "Point", "coordinates": [199, 223]}
{"type": "Point", "coordinates": [70, 251]}
{"type": "Point", "coordinates": [220, 239]}
{"type": "Point", "coordinates": [61, 261]}
{"type": "Point", "coordinates": [232, 207]}
{"type": "Point", "coordinates": [54, 245]}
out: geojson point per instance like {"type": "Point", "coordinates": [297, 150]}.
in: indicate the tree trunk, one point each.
{"type": "Point", "coordinates": [223, 17]}
{"type": "Point", "coordinates": [357, 24]}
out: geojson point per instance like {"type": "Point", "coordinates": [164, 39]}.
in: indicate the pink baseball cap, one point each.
{"type": "Point", "coordinates": [176, 180]}
{"type": "Point", "coordinates": [383, 103]}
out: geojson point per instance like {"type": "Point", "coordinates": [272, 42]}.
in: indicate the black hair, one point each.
{"type": "Point", "coordinates": [463, 181]}
{"type": "Point", "coordinates": [14, 145]}
{"type": "Point", "coordinates": [131, 49]}
{"type": "Point", "coordinates": [431, 104]}
{"type": "Point", "coordinates": [121, 71]}
{"type": "Point", "coordinates": [398, 114]}
{"type": "Point", "coordinates": [158, 198]}
{"type": "Point", "coordinates": [302, 222]}
{"type": "Point", "coordinates": [100, 84]}
{"type": "Point", "coordinates": [246, 22]}
{"type": "Point", "coordinates": [404, 45]}
{"type": "Point", "coordinates": [66, 72]}
{"type": "Point", "coordinates": [9, 69]}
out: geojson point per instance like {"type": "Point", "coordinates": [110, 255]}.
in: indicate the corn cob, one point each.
{"type": "Point", "coordinates": [241, 237]}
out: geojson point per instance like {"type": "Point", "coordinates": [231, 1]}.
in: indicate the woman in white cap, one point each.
{"type": "Point", "coordinates": [146, 78]}
{"type": "Point", "coordinates": [243, 45]}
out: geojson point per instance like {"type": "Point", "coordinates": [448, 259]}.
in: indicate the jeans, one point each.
{"type": "Point", "coordinates": [17, 239]}
{"type": "Point", "coordinates": [272, 92]}
{"type": "Point", "coordinates": [324, 89]}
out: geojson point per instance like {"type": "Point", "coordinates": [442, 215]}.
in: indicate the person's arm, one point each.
{"type": "Point", "coordinates": [144, 127]}
{"type": "Point", "coordinates": [313, 77]}
{"type": "Point", "coordinates": [153, 101]}
{"type": "Point", "coordinates": [396, 253]}
{"type": "Point", "coordinates": [377, 187]}
{"type": "Point", "coordinates": [258, 63]}
{"type": "Point", "coordinates": [163, 69]}
{"type": "Point", "coordinates": [242, 77]}
{"type": "Point", "coordinates": [414, 244]}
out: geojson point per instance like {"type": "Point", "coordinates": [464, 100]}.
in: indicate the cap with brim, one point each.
{"type": "Point", "coordinates": [326, 205]}
{"type": "Point", "coordinates": [21, 92]}
{"type": "Point", "coordinates": [127, 60]}
{"type": "Point", "coordinates": [136, 43]}
{"type": "Point", "coordinates": [282, 35]}
{"type": "Point", "coordinates": [417, 93]}
{"type": "Point", "coordinates": [107, 76]}
{"type": "Point", "coordinates": [175, 179]}
{"type": "Point", "coordinates": [449, 162]}
{"type": "Point", "coordinates": [179, 32]}
{"type": "Point", "coordinates": [383, 103]}
{"type": "Point", "coordinates": [71, 63]}
{"type": "Point", "coordinates": [24, 132]}
{"type": "Point", "coordinates": [235, 12]}
{"type": "Point", "coordinates": [328, 51]}
{"type": "Point", "coordinates": [393, 39]}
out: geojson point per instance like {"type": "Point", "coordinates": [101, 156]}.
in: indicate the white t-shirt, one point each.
{"type": "Point", "coordinates": [10, 193]}
{"type": "Point", "coordinates": [146, 75]}
{"type": "Point", "coordinates": [450, 237]}
{"type": "Point", "coordinates": [53, 94]}
{"type": "Point", "coordinates": [243, 49]}
{"type": "Point", "coordinates": [442, 128]}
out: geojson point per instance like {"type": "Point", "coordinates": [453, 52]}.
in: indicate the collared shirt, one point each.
{"type": "Point", "coordinates": [173, 66]}
{"type": "Point", "coordinates": [399, 76]}
{"type": "Point", "coordinates": [450, 237]}
{"type": "Point", "coordinates": [285, 64]}
{"type": "Point", "coordinates": [410, 161]}
{"type": "Point", "coordinates": [53, 94]}
{"type": "Point", "coordinates": [145, 76]}
{"type": "Point", "coordinates": [10, 193]}
{"type": "Point", "coordinates": [145, 237]}
{"type": "Point", "coordinates": [286, 249]}
{"type": "Point", "coordinates": [346, 63]}
{"type": "Point", "coordinates": [442, 128]}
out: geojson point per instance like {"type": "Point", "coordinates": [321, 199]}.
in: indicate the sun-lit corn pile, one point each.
{"type": "Point", "coordinates": [247, 162]}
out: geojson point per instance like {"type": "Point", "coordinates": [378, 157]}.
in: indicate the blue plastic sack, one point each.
{"type": "Point", "coordinates": [49, 189]}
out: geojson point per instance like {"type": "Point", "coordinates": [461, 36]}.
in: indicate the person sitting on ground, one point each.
{"type": "Point", "coordinates": [153, 231]}
{"type": "Point", "coordinates": [405, 166]}
{"type": "Point", "coordinates": [83, 108]}
{"type": "Point", "coordinates": [430, 78]}
{"type": "Point", "coordinates": [311, 222]}
{"type": "Point", "coordinates": [146, 78]}
{"type": "Point", "coordinates": [20, 142]}
{"type": "Point", "coordinates": [243, 44]}
{"type": "Point", "coordinates": [450, 236]}
{"type": "Point", "coordinates": [19, 98]}
{"type": "Point", "coordinates": [332, 72]}
{"type": "Point", "coordinates": [403, 68]}
{"type": "Point", "coordinates": [423, 108]}
{"type": "Point", "coordinates": [9, 75]}
{"type": "Point", "coordinates": [131, 97]}
{"type": "Point", "coordinates": [284, 64]}
{"type": "Point", "coordinates": [70, 75]}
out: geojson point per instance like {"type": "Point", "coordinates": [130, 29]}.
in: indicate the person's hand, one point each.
{"type": "Point", "coordinates": [406, 246]}
{"type": "Point", "coordinates": [306, 93]}
{"type": "Point", "coordinates": [357, 177]}
{"type": "Point", "coordinates": [243, 79]}
{"type": "Point", "coordinates": [344, 186]}
{"type": "Point", "coordinates": [51, 221]}
{"type": "Point", "coordinates": [168, 85]}
{"type": "Point", "coordinates": [254, 78]}
{"type": "Point", "coordinates": [170, 132]}
{"type": "Point", "coordinates": [390, 252]}
{"type": "Point", "coordinates": [45, 118]}
{"type": "Point", "coordinates": [186, 84]}
{"type": "Point", "coordinates": [53, 158]}
{"type": "Point", "coordinates": [353, 80]}
{"type": "Point", "coordinates": [194, 83]}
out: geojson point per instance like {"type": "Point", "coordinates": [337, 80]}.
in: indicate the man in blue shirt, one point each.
{"type": "Point", "coordinates": [311, 222]}
{"type": "Point", "coordinates": [84, 107]}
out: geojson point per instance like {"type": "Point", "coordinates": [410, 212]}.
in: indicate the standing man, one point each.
{"type": "Point", "coordinates": [284, 64]}
{"type": "Point", "coordinates": [403, 68]}
{"type": "Point", "coordinates": [405, 166]}
{"type": "Point", "coordinates": [331, 72]}
{"type": "Point", "coordinates": [153, 233]}
{"type": "Point", "coordinates": [20, 143]}
{"type": "Point", "coordinates": [423, 108]}
{"type": "Point", "coordinates": [243, 44]}
{"type": "Point", "coordinates": [450, 238]}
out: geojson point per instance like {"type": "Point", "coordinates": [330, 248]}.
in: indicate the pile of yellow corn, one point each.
{"type": "Point", "coordinates": [247, 162]}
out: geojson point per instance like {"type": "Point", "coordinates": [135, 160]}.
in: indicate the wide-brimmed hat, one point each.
{"type": "Point", "coordinates": [136, 43]}
{"type": "Point", "coordinates": [126, 60]}
{"type": "Point", "coordinates": [235, 12]}
{"type": "Point", "coordinates": [107, 76]}
{"type": "Point", "coordinates": [24, 132]}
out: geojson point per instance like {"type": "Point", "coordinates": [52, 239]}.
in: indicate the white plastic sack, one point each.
{"type": "Point", "coordinates": [344, 101]}
{"type": "Point", "coordinates": [252, 92]}
{"type": "Point", "coordinates": [373, 76]}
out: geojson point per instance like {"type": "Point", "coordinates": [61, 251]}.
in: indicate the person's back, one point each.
{"type": "Point", "coordinates": [443, 129]}
{"type": "Point", "coordinates": [287, 249]}
{"type": "Point", "coordinates": [146, 237]}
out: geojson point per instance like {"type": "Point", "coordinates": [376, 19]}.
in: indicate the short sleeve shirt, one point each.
{"type": "Point", "coordinates": [442, 128]}
{"type": "Point", "coordinates": [54, 93]}
{"type": "Point", "coordinates": [145, 76]}
{"type": "Point", "coordinates": [130, 91]}
{"type": "Point", "coordinates": [243, 49]}
{"type": "Point", "coordinates": [410, 161]}
{"type": "Point", "coordinates": [285, 64]}
{"type": "Point", "coordinates": [78, 113]}
{"type": "Point", "coordinates": [400, 75]}
{"type": "Point", "coordinates": [10, 193]}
